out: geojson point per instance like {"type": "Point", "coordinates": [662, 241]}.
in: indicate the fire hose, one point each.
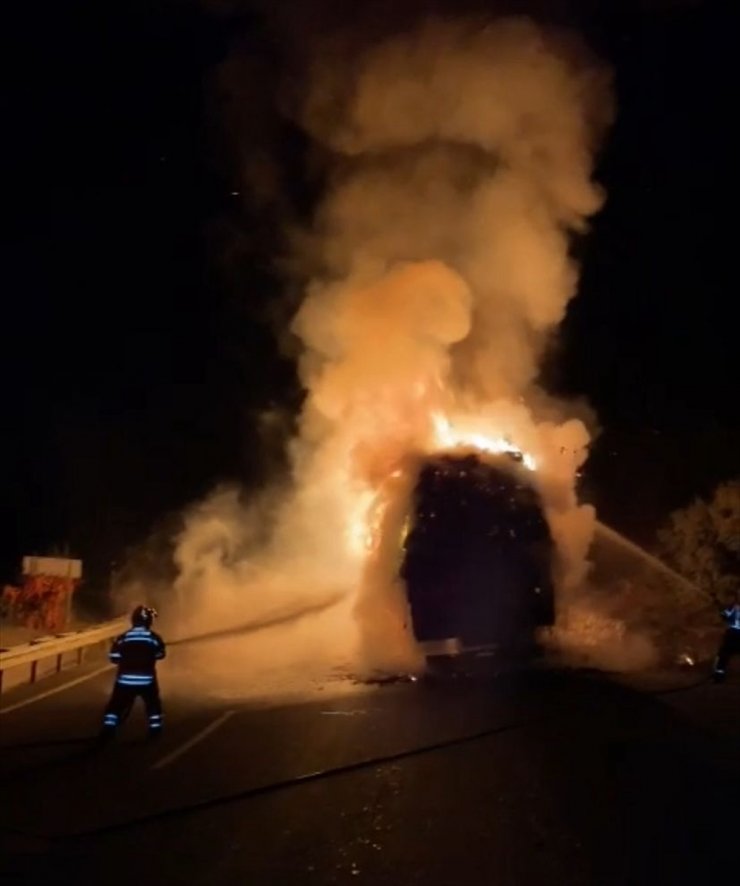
{"type": "Point", "coordinates": [324, 774]}
{"type": "Point", "coordinates": [288, 783]}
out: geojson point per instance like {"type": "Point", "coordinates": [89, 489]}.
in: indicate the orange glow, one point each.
{"type": "Point", "coordinates": [435, 280]}
{"type": "Point", "coordinates": [364, 523]}
{"type": "Point", "coordinates": [449, 436]}
{"type": "Point", "coordinates": [465, 433]}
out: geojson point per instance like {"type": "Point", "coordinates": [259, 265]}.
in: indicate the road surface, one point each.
{"type": "Point", "coordinates": [514, 779]}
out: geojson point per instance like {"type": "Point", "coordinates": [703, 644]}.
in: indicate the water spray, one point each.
{"type": "Point", "coordinates": [612, 534]}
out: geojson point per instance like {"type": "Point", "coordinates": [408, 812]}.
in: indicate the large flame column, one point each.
{"type": "Point", "coordinates": [382, 610]}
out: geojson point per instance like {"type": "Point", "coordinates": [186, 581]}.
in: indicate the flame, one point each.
{"type": "Point", "coordinates": [366, 512]}
{"type": "Point", "coordinates": [360, 525]}
{"type": "Point", "coordinates": [448, 436]}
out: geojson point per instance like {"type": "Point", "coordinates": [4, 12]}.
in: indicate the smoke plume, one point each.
{"type": "Point", "coordinates": [461, 161]}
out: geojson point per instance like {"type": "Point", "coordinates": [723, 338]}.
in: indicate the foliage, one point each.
{"type": "Point", "coordinates": [702, 542]}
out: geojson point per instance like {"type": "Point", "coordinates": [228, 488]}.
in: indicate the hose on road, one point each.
{"type": "Point", "coordinates": [327, 773]}
{"type": "Point", "coordinates": [333, 771]}
{"type": "Point", "coordinates": [294, 781]}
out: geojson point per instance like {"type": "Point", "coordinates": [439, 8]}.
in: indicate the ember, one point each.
{"type": "Point", "coordinates": [443, 250]}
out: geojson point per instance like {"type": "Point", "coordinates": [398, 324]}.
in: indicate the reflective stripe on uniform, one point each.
{"type": "Point", "coordinates": [132, 637]}
{"type": "Point", "coordinates": [135, 679]}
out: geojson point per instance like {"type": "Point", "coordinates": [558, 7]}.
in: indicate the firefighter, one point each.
{"type": "Point", "coordinates": [730, 641]}
{"type": "Point", "coordinates": [136, 654]}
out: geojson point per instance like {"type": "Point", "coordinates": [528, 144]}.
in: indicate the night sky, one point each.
{"type": "Point", "coordinates": [141, 292]}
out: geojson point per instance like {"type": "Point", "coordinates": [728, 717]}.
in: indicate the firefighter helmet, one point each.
{"type": "Point", "coordinates": [143, 616]}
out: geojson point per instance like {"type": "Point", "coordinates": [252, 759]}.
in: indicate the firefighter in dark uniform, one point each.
{"type": "Point", "coordinates": [136, 654]}
{"type": "Point", "coordinates": [730, 641]}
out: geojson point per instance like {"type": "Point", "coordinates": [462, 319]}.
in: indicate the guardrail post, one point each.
{"type": "Point", "coordinates": [54, 648]}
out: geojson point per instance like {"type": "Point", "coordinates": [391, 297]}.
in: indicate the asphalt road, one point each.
{"type": "Point", "coordinates": [559, 778]}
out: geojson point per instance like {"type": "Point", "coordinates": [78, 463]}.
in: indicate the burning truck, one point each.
{"type": "Point", "coordinates": [477, 558]}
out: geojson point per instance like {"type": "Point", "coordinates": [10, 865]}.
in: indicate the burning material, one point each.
{"type": "Point", "coordinates": [463, 155]}
{"type": "Point", "coordinates": [448, 438]}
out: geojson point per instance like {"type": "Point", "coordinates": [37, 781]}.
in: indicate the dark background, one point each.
{"type": "Point", "coordinates": [149, 182]}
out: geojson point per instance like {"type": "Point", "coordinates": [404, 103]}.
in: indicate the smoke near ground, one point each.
{"type": "Point", "coordinates": [461, 157]}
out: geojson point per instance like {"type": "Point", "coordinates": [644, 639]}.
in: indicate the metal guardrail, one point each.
{"type": "Point", "coordinates": [446, 647]}
{"type": "Point", "coordinates": [56, 646]}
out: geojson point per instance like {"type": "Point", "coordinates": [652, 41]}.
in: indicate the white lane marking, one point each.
{"type": "Point", "coordinates": [199, 736]}
{"type": "Point", "coordinates": [22, 704]}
